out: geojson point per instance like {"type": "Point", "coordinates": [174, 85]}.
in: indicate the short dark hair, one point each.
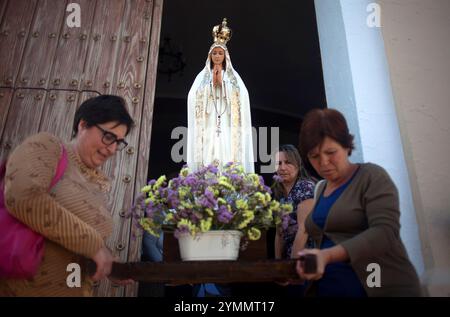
{"type": "Point", "coordinates": [101, 109]}
{"type": "Point", "coordinates": [321, 123]}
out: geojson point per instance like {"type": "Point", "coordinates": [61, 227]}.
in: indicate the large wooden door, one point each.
{"type": "Point", "coordinates": [48, 68]}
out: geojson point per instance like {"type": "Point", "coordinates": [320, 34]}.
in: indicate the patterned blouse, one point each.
{"type": "Point", "coordinates": [302, 190]}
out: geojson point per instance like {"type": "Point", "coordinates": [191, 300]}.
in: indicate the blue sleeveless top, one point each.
{"type": "Point", "coordinates": [339, 279]}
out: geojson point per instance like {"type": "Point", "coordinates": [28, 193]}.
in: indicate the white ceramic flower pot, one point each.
{"type": "Point", "coordinates": [211, 245]}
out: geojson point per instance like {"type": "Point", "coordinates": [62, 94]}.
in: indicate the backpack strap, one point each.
{"type": "Point", "coordinates": [60, 168]}
{"type": "Point", "coordinates": [2, 169]}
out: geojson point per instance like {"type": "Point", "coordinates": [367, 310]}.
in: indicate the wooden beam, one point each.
{"type": "Point", "coordinates": [145, 128]}
{"type": "Point", "coordinates": [194, 272]}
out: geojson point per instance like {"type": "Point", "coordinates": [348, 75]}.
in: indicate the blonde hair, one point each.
{"type": "Point", "coordinates": [294, 157]}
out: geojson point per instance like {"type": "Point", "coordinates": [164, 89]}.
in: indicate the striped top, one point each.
{"type": "Point", "coordinates": [72, 217]}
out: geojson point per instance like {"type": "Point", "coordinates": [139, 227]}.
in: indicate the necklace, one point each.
{"type": "Point", "coordinates": [220, 112]}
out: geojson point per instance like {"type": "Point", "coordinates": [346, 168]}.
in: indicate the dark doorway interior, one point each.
{"type": "Point", "coordinates": [274, 48]}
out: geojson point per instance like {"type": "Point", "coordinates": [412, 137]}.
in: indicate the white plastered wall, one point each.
{"type": "Point", "coordinates": [417, 40]}
{"type": "Point", "coordinates": [357, 78]}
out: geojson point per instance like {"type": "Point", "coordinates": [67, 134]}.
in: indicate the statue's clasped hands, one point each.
{"type": "Point", "coordinates": [217, 75]}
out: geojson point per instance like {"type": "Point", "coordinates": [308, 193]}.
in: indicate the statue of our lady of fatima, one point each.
{"type": "Point", "coordinates": [219, 122]}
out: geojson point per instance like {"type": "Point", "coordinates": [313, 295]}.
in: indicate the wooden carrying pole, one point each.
{"type": "Point", "coordinates": [193, 272]}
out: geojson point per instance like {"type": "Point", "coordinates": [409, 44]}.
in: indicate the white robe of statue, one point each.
{"type": "Point", "coordinates": [219, 121]}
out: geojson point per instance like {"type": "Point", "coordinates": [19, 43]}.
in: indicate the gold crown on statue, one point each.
{"type": "Point", "coordinates": [221, 33]}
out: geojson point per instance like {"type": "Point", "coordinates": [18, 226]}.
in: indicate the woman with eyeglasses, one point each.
{"type": "Point", "coordinates": [72, 215]}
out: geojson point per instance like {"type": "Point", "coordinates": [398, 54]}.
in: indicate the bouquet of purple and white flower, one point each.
{"type": "Point", "coordinates": [209, 199]}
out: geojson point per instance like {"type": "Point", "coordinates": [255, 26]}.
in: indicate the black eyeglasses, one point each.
{"type": "Point", "coordinates": [109, 138]}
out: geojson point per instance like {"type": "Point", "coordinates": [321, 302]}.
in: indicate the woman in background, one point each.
{"type": "Point", "coordinates": [295, 187]}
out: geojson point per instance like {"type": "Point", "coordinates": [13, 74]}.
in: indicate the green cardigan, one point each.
{"type": "Point", "coordinates": [365, 221]}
